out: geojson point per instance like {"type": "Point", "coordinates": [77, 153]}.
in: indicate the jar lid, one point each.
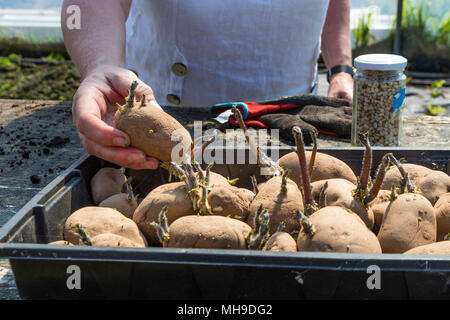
{"type": "Point", "coordinates": [380, 61]}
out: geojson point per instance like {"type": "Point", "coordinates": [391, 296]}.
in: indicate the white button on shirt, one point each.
{"type": "Point", "coordinates": [206, 51]}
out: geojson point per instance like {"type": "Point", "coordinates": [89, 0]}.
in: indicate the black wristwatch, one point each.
{"type": "Point", "coordinates": [339, 68]}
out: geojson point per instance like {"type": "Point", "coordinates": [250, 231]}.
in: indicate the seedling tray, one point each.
{"type": "Point", "coordinates": [42, 271]}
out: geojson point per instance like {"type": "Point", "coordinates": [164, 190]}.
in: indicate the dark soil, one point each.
{"type": "Point", "coordinates": [37, 142]}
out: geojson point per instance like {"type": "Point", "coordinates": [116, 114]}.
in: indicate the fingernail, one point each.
{"type": "Point", "coordinates": [136, 157]}
{"type": "Point", "coordinates": [120, 142]}
{"type": "Point", "coordinates": [151, 163]}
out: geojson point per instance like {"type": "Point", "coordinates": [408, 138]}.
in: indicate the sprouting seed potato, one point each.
{"type": "Point", "coordinates": [281, 241]}
{"type": "Point", "coordinates": [339, 193]}
{"type": "Point", "coordinates": [325, 167]}
{"type": "Point", "coordinates": [379, 206]}
{"type": "Point", "coordinates": [97, 220]}
{"type": "Point", "coordinates": [338, 230]}
{"type": "Point", "coordinates": [114, 240]}
{"type": "Point", "coordinates": [106, 183]}
{"type": "Point", "coordinates": [125, 203]}
{"type": "Point", "coordinates": [442, 212]}
{"type": "Point", "coordinates": [208, 232]}
{"type": "Point", "coordinates": [441, 247]}
{"type": "Point", "coordinates": [61, 243]}
{"type": "Point", "coordinates": [432, 183]}
{"type": "Point", "coordinates": [172, 195]}
{"type": "Point", "coordinates": [282, 206]}
{"type": "Point", "coordinates": [121, 203]}
{"type": "Point", "coordinates": [333, 228]}
{"type": "Point", "coordinates": [409, 222]}
{"type": "Point", "coordinates": [151, 129]}
{"type": "Point", "coordinates": [230, 201]}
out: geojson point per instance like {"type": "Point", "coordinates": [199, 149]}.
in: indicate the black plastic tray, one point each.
{"type": "Point", "coordinates": [41, 271]}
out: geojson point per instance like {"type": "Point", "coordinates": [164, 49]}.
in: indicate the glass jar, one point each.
{"type": "Point", "coordinates": [378, 97]}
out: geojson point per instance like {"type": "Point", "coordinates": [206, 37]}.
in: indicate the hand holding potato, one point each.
{"type": "Point", "coordinates": [93, 115]}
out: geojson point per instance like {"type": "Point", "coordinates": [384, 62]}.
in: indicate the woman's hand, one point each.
{"type": "Point", "coordinates": [93, 111]}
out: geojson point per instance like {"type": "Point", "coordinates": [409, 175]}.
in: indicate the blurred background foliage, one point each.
{"type": "Point", "coordinates": [425, 34]}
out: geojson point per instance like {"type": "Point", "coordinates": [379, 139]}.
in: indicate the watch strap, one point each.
{"type": "Point", "coordinates": [339, 68]}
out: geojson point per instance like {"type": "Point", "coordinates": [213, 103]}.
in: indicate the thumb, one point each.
{"type": "Point", "coordinates": [121, 82]}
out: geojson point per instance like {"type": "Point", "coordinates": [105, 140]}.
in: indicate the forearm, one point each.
{"type": "Point", "coordinates": [101, 37]}
{"type": "Point", "coordinates": [336, 42]}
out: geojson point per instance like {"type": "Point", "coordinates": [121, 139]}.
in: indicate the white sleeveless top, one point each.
{"type": "Point", "coordinates": [203, 52]}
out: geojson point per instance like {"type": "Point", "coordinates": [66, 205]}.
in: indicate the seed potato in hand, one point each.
{"type": "Point", "coordinates": [151, 129]}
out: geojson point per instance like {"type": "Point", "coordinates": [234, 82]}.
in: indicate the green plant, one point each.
{"type": "Point", "coordinates": [55, 57]}
{"type": "Point", "coordinates": [6, 64]}
{"type": "Point", "coordinates": [362, 33]}
{"type": "Point", "coordinates": [15, 56]}
{"type": "Point", "coordinates": [408, 80]}
{"type": "Point", "coordinates": [435, 110]}
{"type": "Point", "coordinates": [436, 88]}
{"type": "Point", "coordinates": [419, 27]}
{"type": "Point", "coordinates": [443, 34]}
{"type": "Point", "coordinates": [5, 86]}
{"type": "Point", "coordinates": [414, 17]}
{"type": "Point", "coordinates": [4, 61]}
{"type": "Point", "coordinates": [416, 21]}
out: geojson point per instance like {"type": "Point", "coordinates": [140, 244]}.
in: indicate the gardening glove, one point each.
{"type": "Point", "coordinates": [335, 119]}
{"type": "Point", "coordinates": [330, 116]}
{"type": "Point", "coordinates": [331, 121]}
{"type": "Point", "coordinates": [308, 99]}
{"type": "Point", "coordinates": [285, 122]}
{"type": "Point", "coordinates": [251, 111]}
